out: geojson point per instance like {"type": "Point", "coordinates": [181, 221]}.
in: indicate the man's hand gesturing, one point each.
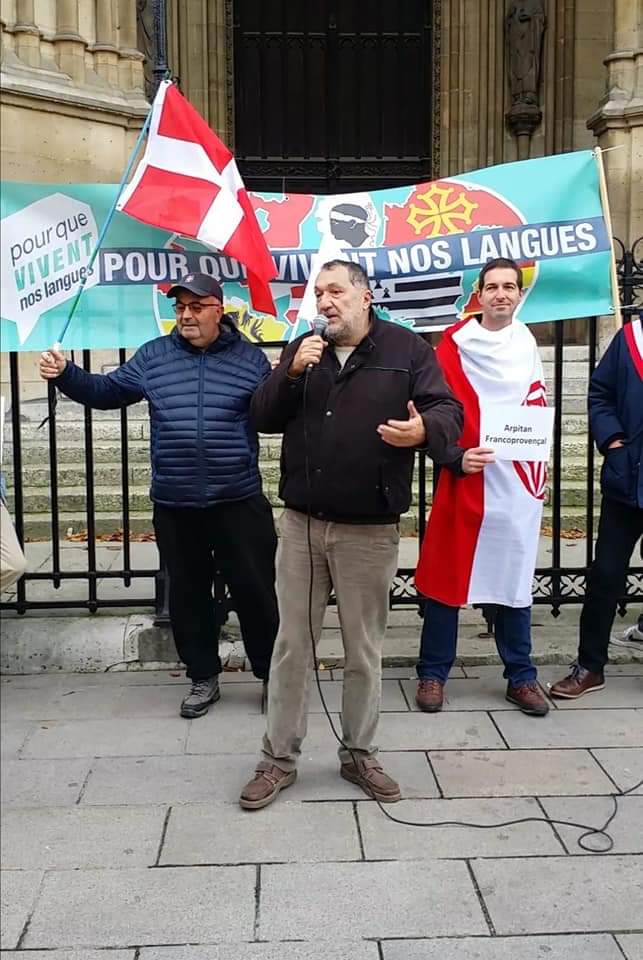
{"type": "Point", "coordinates": [310, 351]}
{"type": "Point", "coordinates": [404, 433]}
{"type": "Point", "coordinates": [52, 363]}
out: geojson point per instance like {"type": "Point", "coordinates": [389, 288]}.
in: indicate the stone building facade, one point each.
{"type": "Point", "coordinates": [73, 93]}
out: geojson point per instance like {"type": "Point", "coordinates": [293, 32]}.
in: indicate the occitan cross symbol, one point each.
{"type": "Point", "coordinates": [441, 213]}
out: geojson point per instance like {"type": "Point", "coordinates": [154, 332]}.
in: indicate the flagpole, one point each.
{"type": "Point", "coordinates": [602, 182]}
{"type": "Point", "coordinates": [105, 227]}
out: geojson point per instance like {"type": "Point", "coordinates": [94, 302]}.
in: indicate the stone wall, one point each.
{"type": "Point", "coordinates": [72, 97]}
{"type": "Point", "coordinates": [71, 103]}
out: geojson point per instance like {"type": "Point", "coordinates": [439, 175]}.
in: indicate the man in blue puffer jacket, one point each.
{"type": "Point", "coordinates": [616, 416]}
{"type": "Point", "coordinates": [206, 486]}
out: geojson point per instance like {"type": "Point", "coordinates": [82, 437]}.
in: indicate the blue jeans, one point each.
{"type": "Point", "coordinates": [440, 636]}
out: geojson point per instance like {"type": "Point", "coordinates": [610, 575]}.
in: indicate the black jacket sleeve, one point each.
{"type": "Point", "coordinates": [441, 412]}
{"type": "Point", "coordinates": [279, 397]}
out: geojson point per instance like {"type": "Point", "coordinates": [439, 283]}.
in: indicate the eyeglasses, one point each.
{"type": "Point", "coordinates": [196, 307]}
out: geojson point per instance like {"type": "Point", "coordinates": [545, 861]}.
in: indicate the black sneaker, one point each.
{"type": "Point", "coordinates": [198, 700]}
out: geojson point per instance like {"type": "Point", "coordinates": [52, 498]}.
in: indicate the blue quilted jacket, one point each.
{"type": "Point", "coordinates": [203, 449]}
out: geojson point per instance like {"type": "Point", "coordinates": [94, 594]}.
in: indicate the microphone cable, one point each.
{"type": "Point", "coordinates": [588, 831]}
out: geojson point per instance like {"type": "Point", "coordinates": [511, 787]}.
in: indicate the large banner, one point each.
{"type": "Point", "coordinates": [423, 247]}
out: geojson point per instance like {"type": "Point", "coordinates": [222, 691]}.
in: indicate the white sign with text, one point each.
{"type": "Point", "coordinates": [517, 433]}
{"type": "Point", "coordinates": [45, 249]}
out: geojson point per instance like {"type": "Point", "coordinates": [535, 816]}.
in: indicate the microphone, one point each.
{"type": "Point", "coordinates": [319, 325]}
{"type": "Point", "coordinates": [319, 329]}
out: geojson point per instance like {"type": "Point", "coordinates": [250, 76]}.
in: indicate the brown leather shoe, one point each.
{"type": "Point", "coordinates": [429, 695]}
{"type": "Point", "coordinates": [528, 697]}
{"type": "Point", "coordinates": [368, 775]}
{"type": "Point", "coordinates": [579, 682]}
{"type": "Point", "coordinates": [264, 786]}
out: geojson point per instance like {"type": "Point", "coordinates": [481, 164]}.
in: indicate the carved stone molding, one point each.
{"type": "Point", "coordinates": [229, 71]}
{"type": "Point", "coordinates": [436, 90]}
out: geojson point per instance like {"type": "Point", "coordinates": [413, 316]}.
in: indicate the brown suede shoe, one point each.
{"type": "Point", "coordinates": [429, 695]}
{"type": "Point", "coordinates": [368, 775]}
{"type": "Point", "coordinates": [528, 697]}
{"type": "Point", "coordinates": [579, 682]}
{"type": "Point", "coordinates": [264, 786]}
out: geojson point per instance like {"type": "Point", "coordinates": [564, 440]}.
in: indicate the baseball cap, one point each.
{"type": "Point", "coordinates": [199, 283]}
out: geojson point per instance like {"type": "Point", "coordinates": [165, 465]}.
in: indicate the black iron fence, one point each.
{"type": "Point", "coordinates": [555, 585]}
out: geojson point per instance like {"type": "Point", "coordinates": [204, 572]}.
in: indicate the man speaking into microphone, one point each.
{"type": "Point", "coordinates": [354, 407]}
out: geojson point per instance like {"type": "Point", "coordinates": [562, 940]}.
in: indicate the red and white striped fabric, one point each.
{"type": "Point", "coordinates": [482, 536]}
{"type": "Point", "coordinates": [187, 181]}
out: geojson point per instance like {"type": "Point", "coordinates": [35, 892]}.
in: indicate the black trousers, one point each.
{"type": "Point", "coordinates": [241, 537]}
{"type": "Point", "coordinates": [619, 529]}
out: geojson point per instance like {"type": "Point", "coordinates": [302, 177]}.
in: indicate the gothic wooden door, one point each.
{"type": "Point", "coordinates": [332, 95]}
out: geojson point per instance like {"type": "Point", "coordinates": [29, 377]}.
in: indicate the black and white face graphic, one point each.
{"type": "Point", "coordinates": [348, 224]}
{"type": "Point", "coordinates": [350, 219]}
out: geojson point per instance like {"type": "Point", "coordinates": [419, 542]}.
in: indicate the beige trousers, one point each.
{"type": "Point", "coordinates": [358, 561]}
{"type": "Point", "coordinates": [12, 559]}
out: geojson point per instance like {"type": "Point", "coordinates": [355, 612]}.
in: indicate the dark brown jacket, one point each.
{"type": "Point", "coordinates": [330, 418]}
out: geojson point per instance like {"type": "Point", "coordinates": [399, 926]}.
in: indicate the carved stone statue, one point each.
{"type": "Point", "coordinates": [524, 33]}
{"type": "Point", "coordinates": [146, 42]}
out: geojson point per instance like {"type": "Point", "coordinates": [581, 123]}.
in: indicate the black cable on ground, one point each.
{"type": "Point", "coordinates": [588, 831]}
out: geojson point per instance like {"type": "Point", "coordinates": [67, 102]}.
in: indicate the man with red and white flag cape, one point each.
{"type": "Point", "coordinates": [187, 181]}
{"type": "Point", "coordinates": [482, 536]}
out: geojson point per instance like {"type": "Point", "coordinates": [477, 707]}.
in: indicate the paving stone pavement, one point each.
{"type": "Point", "coordinates": [122, 838]}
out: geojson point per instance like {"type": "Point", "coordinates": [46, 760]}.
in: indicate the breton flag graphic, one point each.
{"type": "Point", "coordinates": [482, 536]}
{"type": "Point", "coordinates": [427, 301]}
{"type": "Point", "coordinates": [187, 182]}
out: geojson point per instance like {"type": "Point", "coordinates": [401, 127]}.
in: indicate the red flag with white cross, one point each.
{"type": "Point", "coordinates": [187, 182]}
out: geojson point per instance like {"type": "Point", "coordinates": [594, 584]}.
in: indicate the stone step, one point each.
{"type": "Point", "coordinates": [73, 500]}
{"type": "Point", "coordinates": [71, 450]}
{"type": "Point", "coordinates": [105, 475]}
{"type": "Point", "coordinates": [38, 526]}
{"type": "Point", "coordinates": [71, 473]}
{"type": "Point", "coordinates": [105, 452]}
{"type": "Point", "coordinates": [571, 353]}
{"type": "Point", "coordinates": [69, 411]}
{"type": "Point", "coordinates": [107, 447]}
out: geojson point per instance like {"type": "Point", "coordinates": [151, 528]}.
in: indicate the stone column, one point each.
{"type": "Point", "coordinates": [105, 49]}
{"type": "Point", "coordinates": [130, 64]}
{"type": "Point", "coordinates": [69, 46]}
{"type": "Point", "coordinates": [27, 33]}
{"type": "Point", "coordinates": [618, 122]}
{"type": "Point", "coordinates": [200, 54]}
{"type": "Point", "coordinates": [220, 71]}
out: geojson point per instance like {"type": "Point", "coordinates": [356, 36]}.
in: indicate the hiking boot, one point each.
{"type": "Point", "coordinates": [368, 775]}
{"type": "Point", "coordinates": [528, 697]}
{"type": "Point", "coordinates": [198, 700]}
{"type": "Point", "coordinates": [579, 682]}
{"type": "Point", "coordinates": [265, 785]}
{"type": "Point", "coordinates": [429, 695]}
